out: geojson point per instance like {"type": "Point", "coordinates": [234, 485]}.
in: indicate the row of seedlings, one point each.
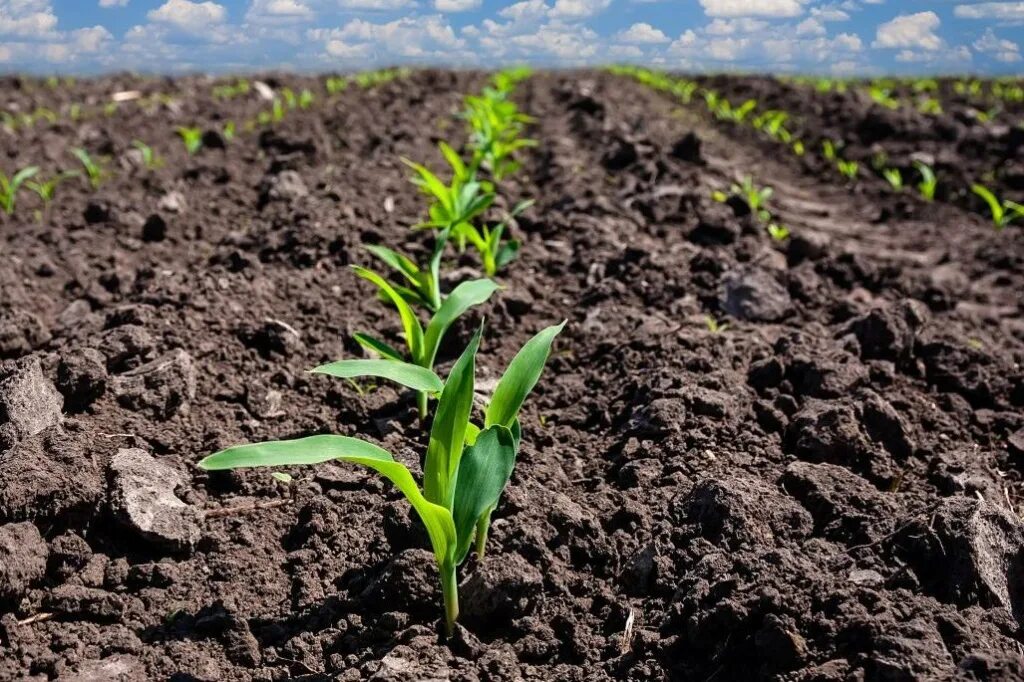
{"type": "Point", "coordinates": [471, 452]}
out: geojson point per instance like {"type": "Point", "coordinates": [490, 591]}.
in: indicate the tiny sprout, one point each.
{"type": "Point", "coordinates": [305, 99]}
{"type": "Point", "coordinates": [192, 138]}
{"type": "Point", "coordinates": [798, 148]}
{"type": "Point", "coordinates": [466, 467]}
{"type": "Point", "coordinates": [1003, 213]}
{"type": "Point", "coordinates": [281, 476]}
{"type": "Point", "coordinates": [150, 160]}
{"type": "Point", "coordinates": [228, 132]}
{"type": "Point", "coordinates": [720, 196]}
{"type": "Point", "coordinates": [848, 169]}
{"type": "Point", "coordinates": [713, 325]}
{"type": "Point", "coordinates": [894, 177]}
{"type": "Point", "coordinates": [9, 187]}
{"type": "Point", "coordinates": [94, 170]}
{"type": "Point", "coordinates": [754, 196]}
{"type": "Point", "coordinates": [778, 232]}
{"type": "Point", "coordinates": [928, 182]}
{"type": "Point", "coordinates": [46, 190]}
{"type": "Point", "coordinates": [828, 149]}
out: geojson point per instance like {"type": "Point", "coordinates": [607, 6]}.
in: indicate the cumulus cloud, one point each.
{"type": "Point", "coordinates": [380, 5]}
{"type": "Point", "coordinates": [426, 37]}
{"type": "Point", "coordinates": [642, 34]}
{"type": "Point", "coordinates": [113, 3]}
{"type": "Point", "coordinates": [579, 8]}
{"type": "Point", "coordinates": [187, 15]}
{"type": "Point", "coordinates": [1006, 11]}
{"type": "Point", "coordinates": [753, 8]}
{"type": "Point", "coordinates": [456, 5]}
{"type": "Point", "coordinates": [278, 12]}
{"type": "Point", "coordinates": [912, 31]}
{"type": "Point", "coordinates": [27, 18]}
{"type": "Point", "coordinates": [998, 48]}
{"type": "Point", "coordinates": [810, 27]}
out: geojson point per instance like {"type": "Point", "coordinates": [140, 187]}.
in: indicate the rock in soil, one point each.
{"type": "Point", "coordinates": [162, 388]}
{"type": "Point", "coordinates": [142, 496]}
{"type": "Point", "coordinates": [22, 559]}
{"type": "Point", "coordinates": [29, 402]}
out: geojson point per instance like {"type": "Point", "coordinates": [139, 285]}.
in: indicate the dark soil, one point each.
{"type": "Point", "coordinates": [826, 488]}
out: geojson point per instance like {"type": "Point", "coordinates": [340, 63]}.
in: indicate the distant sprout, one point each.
{"type": "Point", "coordinates": [306, 99]}
{"type": "Point", "coordinates": [755, 197]}
{"type": "Point", "coordinates": [798, 148]}
{"type": "Point", "coordinates": [110, 109]}
{"type": "Point", "coordinates": [883, 97]}
{"type": "Point", "coordinates": [9, 187]}
{"type": "Point", "coordinates": [192, 138]}
{"type": "Point", "coordinates": [894, 177]}
{"type": "Point", "coordinates": [719, 196]}
{"type": "Point", "coordinates": [75, 111]}
{"type": "Point", "coordinates": [47, 189]}
{"type": "Point", "coordinates": [228, 132]}
{"type": "Point", "coordinates": [930, 106]}
{"type": "Point", "coordinates": [335, 84]}
{"type": "Point", "coordinates": [94, 170]}
{"type": "Point", "coordinates": [1002, 212]}
{"type": "Point", "coordinates": [828, 150]}
{"type": "Point", "coordinates": [778, 232]}
{"type": "Point", "coordinates": [48, 115]}
{"type": "Point", "coordinates": [879, 161]}
{"type": "Point", "coordinates": [150, 160]}
{"type": "Point", "coordinates": [290, 100]}
{"type": "Point", "coordinates": [848, 169]}
{"type": "Point", "coordinates": [713, 325]}
{"type": "Point", "coordinates": [928, 181]}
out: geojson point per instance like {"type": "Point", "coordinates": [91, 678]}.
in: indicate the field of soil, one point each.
{"type": "Point", "coordinates": [825, 485]}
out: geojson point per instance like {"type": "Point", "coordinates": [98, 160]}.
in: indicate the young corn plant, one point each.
{"type": "Point", "coordinates": [47, 189]}
{"type": "Point", "coordinates": [928, 182]}
{"type": "Point", "coordinates": [423, 285]}
{"type": "Point", "coordinates": [755, 197]}
{"type": "Point", "coordinates": [496, 126]}
{"type": "Point", "coordinates": [1002, 212]}
{"type": "Point", "coordinates": [9, 187]}
{"type": "Point", "coordinates": [466, 468]}
{"type": "Point", "coordinates": [94, 170]}
{"type": "Point", "coordinates": [192, 138]}
{"type": "Point", "coordinates": [778, 232]}
{"type": "Point", "coordinates": [848, 169]}
{"type": "Point", "coordinates": [894, 177]}
{"type": "Point", "coordinates": [150, 159]}
{"type": "Point", "coordinates": [421, 343]}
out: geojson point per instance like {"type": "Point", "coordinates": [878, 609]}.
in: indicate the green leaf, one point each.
{"type": "Point", "coordinates": [324, 448]}
{"type": "Point", "coordinates": [397, 261]}
{"type": "Point", "coordinates": [23, 175]}
{"type": "Point", "coordinates": [411, 376]}
{"type": "Point", "coordinates": [431, 183]}
{"type": "Point", "coordinates": [520, 377]}
{"type": "Point", "coordinates": [382, 348]}
{"type": "Point", "coordinates": [448, 432]}
{"type": "Point", "coordinates": [461, 299]}
{"type": "Point", "coordinates": [410, 324]}
{"type": "Point", "coordinates": [484, 471]}
{"type": "Point", "coordinates": [507, 253]}
{"type": "Point", "coordinates": [454, 160]}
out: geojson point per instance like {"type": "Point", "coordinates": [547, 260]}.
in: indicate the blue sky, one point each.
{"type": "Point", "coordinates": [817, 36]}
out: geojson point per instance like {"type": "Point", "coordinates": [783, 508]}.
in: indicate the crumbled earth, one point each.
{"type": "Point", "coordinates": [825, 485]}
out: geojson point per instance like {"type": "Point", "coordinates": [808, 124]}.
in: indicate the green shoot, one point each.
{"type": "Point", "coordinates": [228, 132]}
{"type": "Point", "coordinates": [1002, 212]}
{"type": "Point", "coordinates": [192, 138]}
{"type": "Point", "coordinates": [713, 325]}
{"type": "Point", "coordinates": [798, 148]}
{"type": "Point", "coordinates": [424, 284]}
{"type": "Point", "coordinates": [928, 181]}
{"type": "Point", "coordinates": [828, 149]}
{"type": "Point", "coordinates": [466, 468]}
{"type": "Point", "coordinates": [495, 253]}
{"type": "Point", "coordinates": [94, 170]}
{"type": "Point", "coordinates": [150, 159]}
{"type": "Point", "coordinates": [421, 344]}
{"type": "Point", "coordinates": [779, 233]}
{"type": "Point", "coordinates": [894, 177]}
{"type": "Point", "coordinates": [9, 187]}
{"type": "Point", "coordinates": [46, 189]}
{"type": "Point", "coordinates": [848, 169]}
{"type": "Point", "coordinates": [755, 197]}
{"type": "Point", "coordinates": [305, 99]}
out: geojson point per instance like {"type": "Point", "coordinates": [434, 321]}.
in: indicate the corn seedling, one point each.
{"type": "Point", "coordinates": [928, 181]}
{"type": "Point", "coordinates": [47, 189]}
{"type": "Point", "coordinates": [883, 97]}
{"type": "Point", "coordinates": [894, 177]}
{"type": "Point", "coordinates": [798, 148]}
{"type": "Point", "coordinates": [829, 151]}
{"type": "Point", "coordinates": [714, 326]}
{"type": "Point", "coordinates": [306, 99]}
{"type": "Point", "coordinates": [422, 344]}
{"type": "Point", "coordinates": [779, 233]}
{"type": "Point", "coordinates": [228, 132]}
{"type": "Point", "coordinates": [150, 159]}
{"type": "Point", "coordinates": [423, 284]}
{"type": "Point", "coordinates": [495, 253]}
{"type": "Point", "coordinates": [466, 467]}
{"type": "Point", "coordinates": [335, 84]}
{"type": "Point", "coordinates": [848, 169]}
{"type": "Point", "coordinates": [755, 197]}
{"type": "Point", "coordinates": [192, 138]}
{"type": "Point", "coordinates": [9, 187]}
{"type": "Point", "coordinates": [94, 170]}
{"type": "Point", "coordinates": [496, 125]}
{"type": "Point", "coordinates": [1002, 212]}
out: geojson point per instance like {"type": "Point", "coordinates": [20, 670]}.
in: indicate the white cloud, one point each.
{"type": "Point", "coordinates": [456, 5]}
{"type": "Point", "coordinates": [6, 54]}
{"type": "Point", "coordinates": [957, 56]}
{"type": "Point", "coordinates": [579, 8]}
{"type": "Point", "coordinates": [381, 5]}
{"type": "Point", "coordinates": [829, 13]}
{"type": "Point", "coordinates": [728, 27]}
{"type": "Point", "coordinates": [1000, 49]}
{"type": "Point", "coordinates": [642, 34]}
{"type": "Point", "coordinates": [914, 31]}
{"type": "Point", "coordinates": [572, 44]}
{"type": "Point", "coordinates": [189, 16]}
{"type": "Point", "coordinates": [752, 8]}
{"type": "Point", "coordinates": [625, 52]}
{"type": "Point", "coordinates": [409, 37]}
{"type": "Point", "coordinates": [849, 42]}
{"type": "Point", "coordinates": [91, 39]}
{"type": "Point", "coordinates": [1007, 11]}
{"type": "Point", "coordinates": [113, 3]}
{"type": "Point", "coordinates": [27, 18]}
{"type": "Point", "coordinates": [280, 13]}
{"type": "Point", "coordinates": [810, 27]}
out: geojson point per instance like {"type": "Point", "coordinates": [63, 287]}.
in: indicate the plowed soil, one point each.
{"type": "Point", "coordinates": [826, 487]}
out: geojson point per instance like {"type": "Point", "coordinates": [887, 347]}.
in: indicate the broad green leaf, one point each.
{"type": "Point", "coordinates": [520, 377]}
{"type": "Point", "coordinates": [454, 160]}
{"type": "Point", "coordinates": [410, 324]}
{"type": "Point", "coordinates": [382, 348]}
{"type": "Point", "coordinates": [411, 376]}
{"type": "Point", "coordinates": [448, 432]}
{"type": "Point", "coordinates": [23, 175]}
{"type": "Point", "coordinates": [432, 184]}
{"type": "Point", "coordinates": [483, 473]}
{"type": "Point", "coordinates": [399, 262]}
{"type": "Point", "coordinates": [461, 299]}
{"type": "Point", "coordinates": [324, 448]}
{"type": "Point", "coordinates": [507, 253]}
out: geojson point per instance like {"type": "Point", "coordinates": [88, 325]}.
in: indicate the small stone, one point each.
{"type": "Point", "coordinates": [69, 553]}
{"type": "Point", "coordinates": [172, 202]}
{"type": "Point", "coordinates": [163, 388]}
{"type": "Point", "coordinates": [754, 295]}
{"type": "Point", "coordinates": [85, 602]}
{"type": "Point", "coordinates": [21, 332]}
{"type": "Point", "coordinates": [29, 403]}
{"type": "Point", "coordinates": [22, 559]}
{"type": "Point", "coordinates": [142, 497]}
{"type": "Point", "coordinates": [116, 668]}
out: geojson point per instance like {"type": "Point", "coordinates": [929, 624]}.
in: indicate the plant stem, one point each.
{"type": "Point", "coordinates": [450, 590]}
{"type": "Point", "coordinates": [421, 403]}
{"type": "Point", "coordinates": [482, 526]}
